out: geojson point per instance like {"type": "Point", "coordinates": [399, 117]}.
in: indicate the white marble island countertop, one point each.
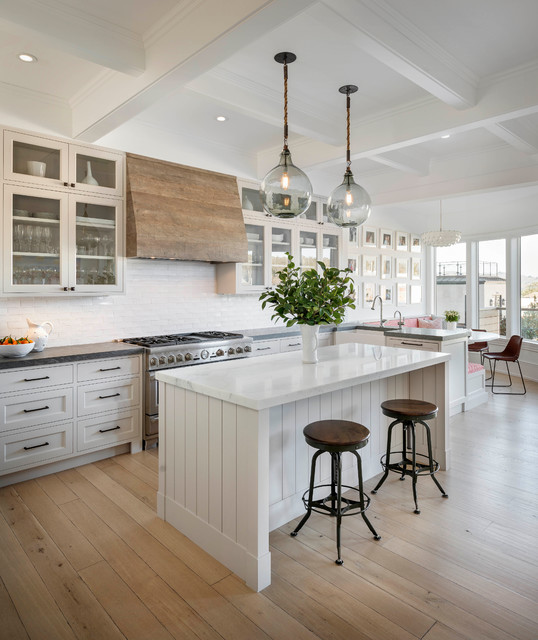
{"type": "Point", "coordinates": [260, 383]}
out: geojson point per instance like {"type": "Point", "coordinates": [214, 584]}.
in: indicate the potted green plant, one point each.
{"type": "Point", "coordinates": [310, 298]}
{"type": "Point", "coordinates": [452, 318]}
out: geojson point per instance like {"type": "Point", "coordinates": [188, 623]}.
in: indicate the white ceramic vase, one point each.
{"type": "Point", "coordinates": [39, 333]}
{"type": "Point", "coordinates": [451, 325]}
{"type": "Point", "coordinates": [89, 179]}
{"type": "Point", "coordinates": [310, 342]}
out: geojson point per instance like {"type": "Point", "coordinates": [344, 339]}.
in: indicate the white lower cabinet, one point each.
{"type": "Point", "coordinates": [409, 343]}
{"type": "Point", "coordinates": [281, 345]}
{"type": "Point", "coordinates": [56, 412]}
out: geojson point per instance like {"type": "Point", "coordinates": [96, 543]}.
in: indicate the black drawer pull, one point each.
{"type": "Point", "coordinates": [414, 344]}
{"type": "Point", "coordinates": [110, 369]}
{"type": "Point", "coordinates": [111, 429]}
{"type": "Point", "coordinates": [36, 446]}
{"type": "Point", "coordinates": [113, 395]}
{"type": "Point", "coordinates": [38, 409]}
{"type": "Point", "coordinates": [262, 348]}
{"type": "Point", "coordinates": [34, 379]}
{"type": "Point", "coordinates": [294, 344]}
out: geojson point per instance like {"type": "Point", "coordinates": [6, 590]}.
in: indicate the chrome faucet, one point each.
{"type": "Point", "coordinates": [381, 321]}
{"type": "Point", "coordinates": [400, 322]}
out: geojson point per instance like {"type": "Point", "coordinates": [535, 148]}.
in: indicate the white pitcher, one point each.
{"type": "Point", "coordinates": [39, 333]}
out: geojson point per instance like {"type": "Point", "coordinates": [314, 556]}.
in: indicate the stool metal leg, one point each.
{"type": "Point", "coordinates": [310, 495]}
{"type": "Point", "coordinates": [414, 461]}
{"type": "Point", "coordinates": [361, 497]}
{"type": "Point", "coordinates": [430, 457]}
{"type": "Point", "coordinates": [338, 468]}
{"type": "Point", "coordinates": [387, 457]}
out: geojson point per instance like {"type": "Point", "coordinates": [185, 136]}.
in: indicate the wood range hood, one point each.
{"type": "Point", "coordinates": [182, 213]}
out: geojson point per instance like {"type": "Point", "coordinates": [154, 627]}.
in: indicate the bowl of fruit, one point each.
{"type": "Point", "coordinates": [15, 348]}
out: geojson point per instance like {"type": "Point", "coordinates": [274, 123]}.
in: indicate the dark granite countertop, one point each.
{"type": "Point", "coordinates": [72, 353]}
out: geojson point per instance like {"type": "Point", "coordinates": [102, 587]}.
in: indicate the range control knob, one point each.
{"type": "Point", "coordinates": [204, 354]}
{"type": "Point", "coordinates": [179, 358]}
{"type": "Point", "coordinates": [171, 359]}
{"type": "Point", "coordinates": [231, 351]}
{"type": "Point", "coordinates": [247, 349]}
{"type": "Point", "coordinates": [220, 352]}
{"type": "Point", "coordinates": [239, 350]}
{"type": "Point", "coordinates": [162, 360]}
{"type": "Point", "coordinates": [153, 362]}
{"type": "Point", "coordinates": [188, 356]}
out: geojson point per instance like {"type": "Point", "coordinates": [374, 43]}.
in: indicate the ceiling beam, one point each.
{"type": "Point", "coordinates": [79, 33]}
{"type": "Point", "coordinates": [403, 161]}
{"type": "Point", "coordinates": [386, 35]}
{"type": "Point", "coordinates": [515, 134]}
{"type": "Point", "coordinates": [190, 44]}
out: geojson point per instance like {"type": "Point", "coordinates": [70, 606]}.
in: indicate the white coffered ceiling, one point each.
{"type": "Point", "coordinates": [151, 77]}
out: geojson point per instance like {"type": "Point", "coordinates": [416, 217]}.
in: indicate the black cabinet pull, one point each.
{"type": "Point", "coordinates": [72, 288]}
{"type": "Point", "coordinates": [66, 184]}
{"type": "Point", "coordinates": [34, 379]}
{"type": "Point", "coordinates": [111, 429]}
{"type": "Point", "coordinates": [66, 288]}
{"type": "Point", "coordinates": [72, 184]}
{"type": "Point", "coordinates": [113, 395]}
{"type": "Point", "coordinates": [110, 369]}
{"type": "Point", "coordinates": [414, 344]}
{"type": "Point", "coordinates": [38, 409]}
{"type": "Point", "coordinates": [36, 446]}
{"type": "Point", "coordinates": [262, 348]}
{"type": "Point", "coordinates": [294, 344]}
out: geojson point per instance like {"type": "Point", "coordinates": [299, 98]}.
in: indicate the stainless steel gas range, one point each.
{"type": "Point", "coordinates": [181, 350]}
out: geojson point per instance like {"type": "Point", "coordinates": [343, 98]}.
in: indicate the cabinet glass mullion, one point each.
{"type": "Point", "coordinates": [95, 237]}
{"type": "Point", "coordinates": [252, 271]}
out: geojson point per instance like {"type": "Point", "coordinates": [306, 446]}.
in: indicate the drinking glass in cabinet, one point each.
{"type": "Point", "coordinates": [96, 171]}
{"type": "Point", "coordinates": [308, 250]}
{"type": "Point", "coordinates": [252, 271]}
{"type": "Point", "coordinates": [34, 160]}
{"type": "Point", "coordinates": [280, 245]}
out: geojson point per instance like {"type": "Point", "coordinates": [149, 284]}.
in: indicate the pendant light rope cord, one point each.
{"type": "Point", "coordinates": [348, 152]}
{"type": "Point", "coordinates": [285, 105]}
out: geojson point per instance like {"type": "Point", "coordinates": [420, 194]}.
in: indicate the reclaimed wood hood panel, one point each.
{"type": "Point", "coordinates": [180, 212]}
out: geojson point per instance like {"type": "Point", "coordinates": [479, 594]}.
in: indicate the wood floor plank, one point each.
{"type": "Point", "coordinates": [129, 613]}
{"type": "Point", "coordinates": [55, 489]}
{"type": "Point", "coordinates": [37, 609]}
{"type": "Point", "coordinates": [79, 606]}
{"type": "Point", "coordinates": [440, 632]}
{"type": "Point", "coordinates": [67, 538]}
{"type": "Point", "coordinates": [139, 470]}
{"type": "Point", "coordinates": [265, 614]}
{"type": "Point", "coordinates": [148, 459]}
{"type": "Point", "coordinates": [172, 611]}
{"type": "Point", "coordinates": [11, 627]}
{"type": "Point", "coordinates": [141, 490]}
{"type": "Point", "coordinates": [210, 605]}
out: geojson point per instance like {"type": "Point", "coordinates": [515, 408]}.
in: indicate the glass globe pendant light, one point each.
{"type": "Point", "coordinates": [443, 237]}
{"type": "Point", "coordinates": [286, 191]}
{"type": "Point", "coordinates": [349, 204]}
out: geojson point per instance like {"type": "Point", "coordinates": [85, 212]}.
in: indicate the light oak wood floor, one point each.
{"type": "Point", "coordinates": [83, 555]}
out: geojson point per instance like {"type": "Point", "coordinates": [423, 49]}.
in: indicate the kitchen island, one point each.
{"type": "Point", "coordinates": [233, 463]}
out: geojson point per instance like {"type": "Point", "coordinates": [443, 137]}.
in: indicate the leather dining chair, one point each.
{"type": "Point", "coordinates": [510, 354]}
{"type": "Point", "coordinates": [479, 347]}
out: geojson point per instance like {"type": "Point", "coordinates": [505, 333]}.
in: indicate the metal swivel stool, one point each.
{"type": "Point", "coordinates": [408, 413]}
{"type": "Point", "coordinates": [335, 437]}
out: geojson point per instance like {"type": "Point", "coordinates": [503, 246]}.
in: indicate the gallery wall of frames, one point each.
{"type": "Point", "coordinates": [388, 263]}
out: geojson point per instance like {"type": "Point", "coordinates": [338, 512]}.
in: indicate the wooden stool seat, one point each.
{"type": "Point", "coordinates": [405, 408]}
{"type": "Point", "coordinates": [336, 437]}
{"type": "Point", "coordinates": [342, 435]}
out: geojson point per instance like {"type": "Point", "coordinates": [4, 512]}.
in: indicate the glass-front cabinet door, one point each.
{"type": "Point", "coordinates": [280, 245]}
{"type": "Point", "coordinates": [36, 160]}
{"type": "Point", "coordinates": [96, 237]}
{"type": "Point", "coordinates": [253, 271]}
{"type": "Point", "coordinates": [308, 249]}
{"type": "Point", "coordinates": [96, 171]}
{"type": "Point", "coordinates": [35, 240]}
{"type": "Point", "coordinates": [330, 250]}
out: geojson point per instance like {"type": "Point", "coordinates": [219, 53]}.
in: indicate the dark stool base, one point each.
{"type": "Point", "coordinates": [334, 504]}
{"type": "Point", "coordinates": [410, 466]}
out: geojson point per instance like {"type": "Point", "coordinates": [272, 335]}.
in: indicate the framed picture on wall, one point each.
{"type": "Point", "coordinates": [369, 237]}
{"type": "Point", "coordinates": [369, 265]}
{"type": "Point", "coordinates": [415, 268]}
{"type": "Point", "coordinates": [416, 293]}
{"type": "Point", "coordinates": [354, 236]}
{"type": "Point", "coordinates": [369, 293]}
{"type": "Point", "coordinates": [386, 268]}
{"type": "Point", "coordinates": [352, 265]}
{"type": "Point", "coordinates": [402, 265]}
{"type": "Point", "coordinates": [401, 294]}
{"type": "Point", "coordinates": [402, 241]}
{"type": "Point", "coordinates": [416, 244]}
{"type": "Point", "coordinates": [387, 239]}
{"type": "Point", "coordinates": [386, 293]}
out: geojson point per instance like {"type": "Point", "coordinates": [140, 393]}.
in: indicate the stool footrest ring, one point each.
{"type": "Point", "coordinates": [349, 506]}
{"type": "Point", "coordinates": [404, 466]}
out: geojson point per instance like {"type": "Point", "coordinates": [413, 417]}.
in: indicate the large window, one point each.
{"type": "Point", "coordinates": [451, 272]}
{"type": "Point", "coordinates": [529, 287]}
{"type": "Point", "coordinates": [492, 286]}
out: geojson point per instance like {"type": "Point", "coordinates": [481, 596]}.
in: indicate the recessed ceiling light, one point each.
{"type": "Point", "coordinates": [447, 135]}
{"type": "Point", "coordinates": [27, 57]}
{"type": "Point", "coordinates": [222, 118]}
